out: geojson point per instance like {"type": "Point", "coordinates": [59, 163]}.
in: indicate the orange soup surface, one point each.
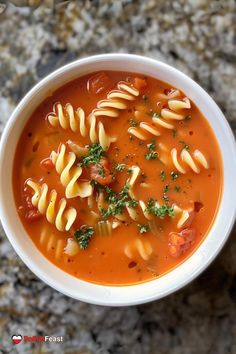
{"type": "Point", "coordinates": [117, 178]}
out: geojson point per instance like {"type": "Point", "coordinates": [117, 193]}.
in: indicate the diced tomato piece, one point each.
{"type": "Point", "coordinates": [176, 239]}
{"type": "Point", "coordinates": [27, 209]}
{"type": "Point", "coordinates": [174, 251]}
{"type": "Point", "coordinates": [180, 242]}
{"type": "Point", "coordinates": [99, 83]}
{"type": "Point", "coordinates": [33, 215]}
{"type": "Point", "coordinates": [101, 172]}
{"type": "Point", "coordinates": [198, 206]}
{"type": "Point", "coordinates": [139, 83]}
{"type": "Point", "coordinates": [47, 164]}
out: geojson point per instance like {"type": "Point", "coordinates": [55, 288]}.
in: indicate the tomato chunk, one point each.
{"type": "Point", "coordinates": [101, 173]}
{"type": "Point", "coordinates": [180, 242]}
{"type": "Point", "coordinates": [99, 83]}
{"type": "Point", "coordinates": [139, 83]}
{"type": "Point", "coordinates": [46, 164]}
{"type": "Point", "coordinates": [30, 212]}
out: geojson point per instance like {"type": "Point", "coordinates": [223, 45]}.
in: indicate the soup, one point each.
{"type": "Point", "coordinates": [117, 178]}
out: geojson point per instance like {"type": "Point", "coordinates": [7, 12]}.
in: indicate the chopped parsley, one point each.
{"type": "Point", "coordinates": [152, 154]}
{"type": "Point", "coordinates": [120, 167]}
{"type": "Point", "coordinates": [159, 211]}
{"type": "Point", "coordinates": [165, 191]}
{"type": "Point", "coordinates": [185, 146]}
{"type": "Point", "coordinates": [133, 122]}
{"type": "Point", "coordinates": [129, 171]}
{"type": "Point", "coordinates": [177, 189]}
{"type": "Point", "coordinates": [174, 133]}
{"type": "Point", "coordinates": [143, 228]}
{"type": "Point", "coordinates": [156, 115]}
{"type": "Point", "coordinates": [166, 188]}
{"type": "Point", "coordinates": [117, 202]}
{"type": "Point", "coordinates": [101, 171]}
{"type": "Point", "coordinates": [145, 98]}
{"type": "Point", "coordinates": [174, 175]}
{"type": "Point", "coordinates": [83, 236]}
{"type": "Point", "coordinates": [132, 203]}
{"type": "Point", "coordinates": [162, 175]}
{"type": "Point", "coordinates": [96, 153]}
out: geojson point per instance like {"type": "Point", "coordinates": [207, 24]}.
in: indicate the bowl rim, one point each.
{"type": "Point", "coordinates": [112, 295]}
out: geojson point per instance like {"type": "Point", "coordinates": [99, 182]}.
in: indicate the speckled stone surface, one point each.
{"type": "Point", "coordinates": [196, 36]}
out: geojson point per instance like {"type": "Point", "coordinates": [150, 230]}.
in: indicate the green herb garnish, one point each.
{"type": "Point", "coordinates": [156, 115]}
{"type": "Point", "coordinates": [159, 211]}
{"type": "Point", "coordinates": [152, 154]}
{"type": "Point", "coordinates": [120, 167]}
{"type": "Point", "coordinates": [83, 236]}
{"type": "Point", "coordinates": [162, 175]}
{"type": "Point", "coordinates": [101, 171]}
{"type": "Point", "coordinates": [133, 122]}
{"type": "Point", "coordinates": [174, 175]}
{"type": "Point", "coordinates": [143, 228]}
{"type": "Point", "coordinates": [132, 203]}
{"type": "Point", "coordinates": [174, 133]}
{"type": "Point", "coordinates": [96, 153]}
{"type": "Point", "coordinates": [145, 98]}
{"type": "Point", "coordinates": [117, 201]}
{"type": "Point", "coordinates": [185, 146]}
{"type": "Point", "coordinates": [166, 188]}
{"type": "Point", "coordinates": [177, 189]}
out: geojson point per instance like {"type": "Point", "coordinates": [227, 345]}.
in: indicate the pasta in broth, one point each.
{"type": "Point", "coordinates": [117, 182]}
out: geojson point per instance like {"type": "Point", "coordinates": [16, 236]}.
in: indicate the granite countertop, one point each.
{"type": "Point", "coordinates": [196, 36]}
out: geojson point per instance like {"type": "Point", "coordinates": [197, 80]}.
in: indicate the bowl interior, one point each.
{"type": "Point", "coordinates": [118, 295]}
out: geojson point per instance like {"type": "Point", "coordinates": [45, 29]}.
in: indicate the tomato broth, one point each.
{"type": "Point", "coordinates": [117, 178]}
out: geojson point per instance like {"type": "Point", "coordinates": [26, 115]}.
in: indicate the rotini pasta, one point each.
{"type": "Point", "coordinates": [116, 100]}
{"type": "Point", "coordinates": [70, 119]}
{"type": "Point", "coordinates": [135, 172]}
{"type": "Point", "coordinates": [164, 120]}
{"type": "Point", "coordinates": [58, 214]}
{"type": "Point", "coordinates": [189, 160]}
{"type": "Point", "coordinates": [71, 248]}
{"type": "Point", "coordinates": [69, 174]}
{"type": "Point", "coordinates": [140, 248]}
{"type": "Point", "coordinates": [51, 243]}
{"type": "Point", "coordinates": [184, 216]}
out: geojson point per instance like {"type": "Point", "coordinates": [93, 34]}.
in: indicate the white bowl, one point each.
{"type": "Point", "coordinates": [118, 295]}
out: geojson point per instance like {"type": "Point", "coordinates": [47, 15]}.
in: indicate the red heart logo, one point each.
{"type": "Point", "coordinates": [16, 339]}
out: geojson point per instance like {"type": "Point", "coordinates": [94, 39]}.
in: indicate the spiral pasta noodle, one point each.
{"type": "Point", "coordinates": [135, 172]}
{"type": "Point", "coordinates": [167, 115]}
{"type": "Point", "coordinates": [51, 242]}
{"type": "Point", "coordinates": [116, 100]}
{"type": "Point", "coordinates": [69, 118]}
{"type": "Point", "coordinates": [183, 215]}
{"type": "Point", "coordinates": [138, 247]}
{"type": "Point", "coordinates": [57, 214]}
{"type": "Point", "coordinates": [69, 174]}
{"type": "Point", "coordinates": [191, 160]}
